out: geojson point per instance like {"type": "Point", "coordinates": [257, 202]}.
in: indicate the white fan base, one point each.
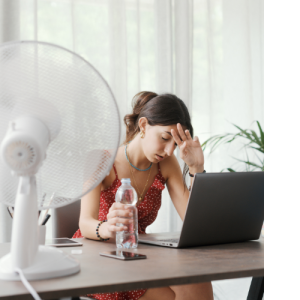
{"type": "Point", "coordinates": [49, 263]}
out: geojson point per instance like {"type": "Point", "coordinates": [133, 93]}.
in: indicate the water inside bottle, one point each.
{"type": "Point", "coordinates": [126, 194]}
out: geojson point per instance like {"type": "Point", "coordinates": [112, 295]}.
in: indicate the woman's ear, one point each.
{"type": "Point", "coordinates": [143, 122]}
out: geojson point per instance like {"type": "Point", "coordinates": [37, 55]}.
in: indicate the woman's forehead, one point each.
{"type": "Point", "coordinates": [168, 128]}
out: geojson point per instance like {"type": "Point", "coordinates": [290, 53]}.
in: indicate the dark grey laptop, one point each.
{"type": "Point", "coordinates": [222, 208]}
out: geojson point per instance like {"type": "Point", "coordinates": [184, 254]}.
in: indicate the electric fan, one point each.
{"type": "Point", "coordinates": [59, 134]}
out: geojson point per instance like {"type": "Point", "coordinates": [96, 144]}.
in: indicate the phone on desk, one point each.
{"type": "Point", "coordinates": [62, 242]}
{"type": "Point", "coordinates": [124, 255]}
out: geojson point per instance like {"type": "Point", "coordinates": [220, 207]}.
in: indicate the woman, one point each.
{"type": "Point", "coordinates": [158, 124]}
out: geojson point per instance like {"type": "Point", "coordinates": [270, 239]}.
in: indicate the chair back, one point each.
{"type": "Point", "coordinates": [65, 220]}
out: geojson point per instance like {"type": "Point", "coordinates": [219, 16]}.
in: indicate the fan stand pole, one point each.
{"type": "Point", "coordinates": [37, 262]}
{"type": "Point", "coordinates": [24, 243]}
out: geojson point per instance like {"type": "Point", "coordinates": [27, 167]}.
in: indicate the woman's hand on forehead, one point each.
{"type": "Point", "coordinates": [190, 149]}
{"type": "Point", "coordinates": [180, 135]}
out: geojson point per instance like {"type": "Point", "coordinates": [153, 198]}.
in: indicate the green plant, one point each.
{"type": "Point", "coordinates": [251, 140]}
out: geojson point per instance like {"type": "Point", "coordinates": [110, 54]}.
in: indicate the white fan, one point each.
{"type": "Point", "coordinates": [59, 134]}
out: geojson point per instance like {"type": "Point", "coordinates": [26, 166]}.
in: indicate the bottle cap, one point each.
{"type": "Point", "coordinates": [125, 180]}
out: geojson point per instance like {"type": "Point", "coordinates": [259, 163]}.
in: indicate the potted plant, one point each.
{"type": "Point", "coordinates": [251, 139]}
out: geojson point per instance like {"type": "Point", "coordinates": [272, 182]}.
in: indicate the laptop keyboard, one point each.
{"type": "Point", "coordinates": [170, 240]}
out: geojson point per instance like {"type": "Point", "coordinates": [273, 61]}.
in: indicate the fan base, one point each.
{"type": "Point", "coordinates": [49, 263]}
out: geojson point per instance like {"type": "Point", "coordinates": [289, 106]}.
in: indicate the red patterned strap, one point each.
{"type": "Point", "coordinates": [115, 171]}
{"type": "Point", "coordinates": [162, 179]}
{"type": "Point", "coordinates": [158, 166]}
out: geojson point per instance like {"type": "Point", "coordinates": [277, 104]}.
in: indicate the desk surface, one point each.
{"type": "Point", "coordinates": [163, 267]}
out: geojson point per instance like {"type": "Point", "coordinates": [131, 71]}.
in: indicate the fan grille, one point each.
{"type": "Point", "coordinates": [82, 154]}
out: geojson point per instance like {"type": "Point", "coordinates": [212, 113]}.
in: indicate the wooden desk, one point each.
{"type": "Point", "coordinates": [163, 267]}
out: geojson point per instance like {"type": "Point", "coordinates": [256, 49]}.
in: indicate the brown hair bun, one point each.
{"type": "Point", "coordinates": [131, 120]}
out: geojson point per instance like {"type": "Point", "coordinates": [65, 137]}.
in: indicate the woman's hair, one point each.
{"type": "Point", "coordinates": [164, 110]}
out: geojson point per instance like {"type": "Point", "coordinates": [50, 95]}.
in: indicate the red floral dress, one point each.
{"type": "Point", "coordinates": [147, 213]}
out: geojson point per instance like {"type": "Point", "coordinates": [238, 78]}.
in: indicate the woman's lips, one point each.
{"type": "Point", "coordinates": [159, 157]}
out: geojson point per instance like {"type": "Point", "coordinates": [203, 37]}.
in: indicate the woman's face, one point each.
{"type": "Point", "coordinates": [158, 142]}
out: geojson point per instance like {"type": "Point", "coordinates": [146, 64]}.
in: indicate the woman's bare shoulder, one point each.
{"type": "Point", "coordinates": [170, 167]}
{"type": "Point", "coordinates": [109, 179]}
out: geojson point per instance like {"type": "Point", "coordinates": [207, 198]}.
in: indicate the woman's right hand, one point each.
{"type": "Point", "coordinates": [118, 213]}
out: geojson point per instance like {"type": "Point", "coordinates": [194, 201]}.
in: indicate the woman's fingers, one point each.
{"type": "Point", "coordinates": [181, 132]}
{"type": "Point", "coordinates": [176, 137]}
{"type": "Point", "coordinates": [118, 205]}
{"type": "Point", "coordinates": [181, 136]}
{"type": "Point", "coordinates": [126, 213]}
{"type": "Point", "coordinates": [118, 224]}
{"type": "Point", "coordinates": [114, 228]}
{"type": "Point", "coordinates": [119, 214]}
{"type": "Point", "coordinates": [196, 139]}
{"type": "Point", "coordinates": [118, 220]}
{"type": "Point", "coordinates": [188, 135]}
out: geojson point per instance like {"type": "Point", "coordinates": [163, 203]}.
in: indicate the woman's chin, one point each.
{"type": "Point", "coordinates": [153, 159]}
{"type": "Point", "coordinates": [158, 158]}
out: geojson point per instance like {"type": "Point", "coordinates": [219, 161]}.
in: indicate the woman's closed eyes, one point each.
{"type": "Point", "coordinates": [167, 140]}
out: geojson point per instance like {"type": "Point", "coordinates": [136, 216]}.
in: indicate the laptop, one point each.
{"type": "Point", "coordinates": [222, 208]}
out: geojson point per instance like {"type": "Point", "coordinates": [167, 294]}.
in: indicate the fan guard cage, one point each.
{"type": "Point", "coordinates": [35, 76]}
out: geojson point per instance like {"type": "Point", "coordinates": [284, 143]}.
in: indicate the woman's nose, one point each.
{"type": "Point", "coordinates": [170, 149]}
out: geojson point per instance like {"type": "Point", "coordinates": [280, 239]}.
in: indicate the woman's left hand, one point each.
{"type": "Point", "coordinates": [190, 149]}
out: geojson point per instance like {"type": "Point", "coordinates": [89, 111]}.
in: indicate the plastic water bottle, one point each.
{"type": "Point", "coordinates": [126, 194]}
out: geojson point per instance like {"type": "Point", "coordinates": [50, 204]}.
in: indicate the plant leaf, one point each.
{"type": "Point", "coordinates": [256, 138]}
{"type": "Point", "coordinates": [248, 134]}
{"type": "Point", "coordinates": [210, 141]}
{"type": "Point", "coordinates": [262, 135]}
{"type": "Point", "coordinates": [249, 163]}
{"type": "Point", "coordinates": [244, 132]}
{"type": "Point", "coordinates": [258, 149]}
{"type": "Point", "coordinates": [247, 166]}
{"type": "Point", "coordinates": [215, 140]}
{"type": "Point", "coordinates": [258, 158]}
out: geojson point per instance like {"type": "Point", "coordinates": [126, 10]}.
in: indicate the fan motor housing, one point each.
{"type": "Point", "coordinates": [24, 146]}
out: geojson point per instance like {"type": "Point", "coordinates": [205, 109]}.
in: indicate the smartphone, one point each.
{"type": "Point", "coordinates": [124, 255]}
{"type": "Point", "coordinates": [62, 242]}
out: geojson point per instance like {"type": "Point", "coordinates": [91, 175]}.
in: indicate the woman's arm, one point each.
{"type": "Point", "coordinates": [88, 220]}
{"type": "Point", "coordinates": [178, 192]}
{"type": "Point", "coordinates": [89, 211]}
{"type": "Point", "coordinates": [192, 154]}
